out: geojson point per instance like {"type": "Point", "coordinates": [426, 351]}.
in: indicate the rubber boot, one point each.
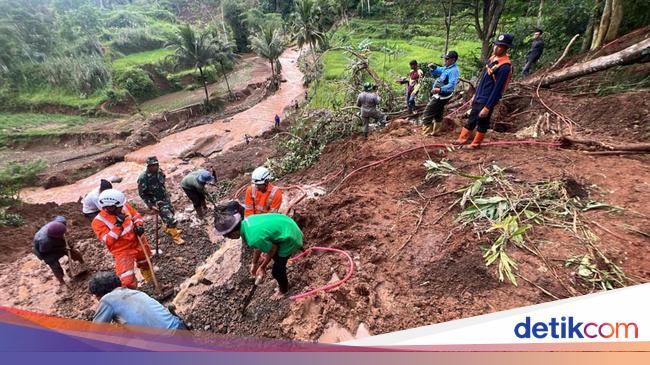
{"type": "Point", "coordinates": [463, 138]}
{"type": "Point", "coordinates": [427, 129]}
{"type": "Point", "coordinates": [147, 275]}
{"type": "Point", "coordinates": [200, 212]}
{"type": "Point", "coordinates": [175, 234]}
{"type": "Point", "coordinates": [436, 127]}
{"type": "Point", "coordinates": [476, 143]}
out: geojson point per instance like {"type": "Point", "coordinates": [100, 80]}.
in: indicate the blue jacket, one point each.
{"type": "Point", "coordinates": [447, 78]}
{"type": "Point", "coordinates": [492, 83]}
{"type": "Point", "coordinates": [133, 307]}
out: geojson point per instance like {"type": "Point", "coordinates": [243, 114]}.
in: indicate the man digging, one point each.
{"type": "Point", "coordinates": [277, 235]}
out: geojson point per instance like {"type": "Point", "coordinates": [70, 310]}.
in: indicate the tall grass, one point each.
{"type": "Point", "coordinates": [85, 73]}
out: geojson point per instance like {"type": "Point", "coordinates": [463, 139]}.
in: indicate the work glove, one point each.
{"type": "Point", "coordinates": [120, 219]}
{"type": "Point", "coordinates": [139, 230]}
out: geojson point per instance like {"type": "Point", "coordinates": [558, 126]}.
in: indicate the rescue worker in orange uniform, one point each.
{"type": "Point", "coordinates": [118, 225]}
{"type": "Point", "coordinates": [262, 196]}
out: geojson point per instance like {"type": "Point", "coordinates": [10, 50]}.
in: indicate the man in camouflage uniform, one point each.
{"type": "Point", "coordinates": [151, 188]}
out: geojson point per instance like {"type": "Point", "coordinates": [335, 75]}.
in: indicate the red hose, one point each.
{"type": "Point", "coordinates": [328, 286]}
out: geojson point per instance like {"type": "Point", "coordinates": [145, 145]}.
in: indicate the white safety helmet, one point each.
{"type": "Point", "coordinates": [111, 197]}
{"type": "Point", "coordinates": [261, 175]}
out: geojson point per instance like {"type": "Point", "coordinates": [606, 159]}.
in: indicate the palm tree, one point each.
{"type": "Point", "coordinates": [193, 48]}
{"type": "Point", "coordinates": [306, 24]}
{"type": "Point", "coordinates": [268, 44]}
{"type": "Point", "coordinates": [224, 52]}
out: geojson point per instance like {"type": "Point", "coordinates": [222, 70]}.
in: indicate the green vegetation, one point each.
{"type": "Point", "coordinates": [15, 175]}
{"type": "Point", "coordinates": [21, 125]}
{"type": "Point", "coordinates": [141, 58]}
{"type": "Point", "coordinates": [308, 137]}
{"type": "Point", "coordinates": [506, 209]}
{"type": "Point", "coordinates": [390, 49]}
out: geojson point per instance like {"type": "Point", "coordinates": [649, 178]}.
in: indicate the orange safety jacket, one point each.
{"type": "Point", "coordinates": [494, 63]}
{"type": "Point", "coordinates": [267, 202]}
{"type": "Point", "coordinates": [118, 239]}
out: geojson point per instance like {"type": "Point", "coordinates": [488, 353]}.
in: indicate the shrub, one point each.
{"type": "Point", "coordinates": [15, 176]}
{"type": "Point", "coordinates": [314, 134]}
{"type": "Point", "coordinates": [125, 19]}
{"type": "Point", "coordinates": [137, 82]}
{"type": "Point", "coordinates": [132, 40]}
{"type": "Point", "coordinates": [10, 219]}
{"type": "Point", "coordinates": [116, 97]}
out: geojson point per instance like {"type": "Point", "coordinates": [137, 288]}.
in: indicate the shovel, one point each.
{"type": "Point", "coordinates": [247, 300]}
{"type": "Point", "coordinates": [71, 272]}
{"type": "Point", "coordinates": [162, 295]}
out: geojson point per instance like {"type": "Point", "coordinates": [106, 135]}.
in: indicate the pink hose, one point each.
{"type": "Point", "coordinates": [328, 286]}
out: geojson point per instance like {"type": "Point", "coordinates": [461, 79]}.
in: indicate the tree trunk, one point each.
{"type": "Point", "coordinates": [599, 36]}
{"type": "Point", "coordinates": [628, 55]}
{"type": "Point", "coordinates": [615, 20]}
{"type": "Point", "coordinates": [591, 28]}
{"type": "Point", "coordinates": [225, 76]}
{"type": "Point", "coordinates": [448, 25]}
{"type": "Point", "coordinates": [539, 13]}
{"type": "Point", "coordinates": [205, 85]}
{"type": "Point", "coordinates": [272, 68]}
{"type": "Point", "coordinates": [491, 13]}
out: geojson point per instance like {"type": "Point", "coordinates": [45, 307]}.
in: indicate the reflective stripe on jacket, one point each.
{"type": "Point", "coordinates": [267, 202]}
{"type": "Point", "coordinates": [117, 238]}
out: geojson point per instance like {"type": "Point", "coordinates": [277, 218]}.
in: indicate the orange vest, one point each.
{"type": "Point", "coordinates": [267, 202]}
{"type": "Point", "coordinates": [494, 63]}
{"type": "Point", "coordinates": [118, 239]}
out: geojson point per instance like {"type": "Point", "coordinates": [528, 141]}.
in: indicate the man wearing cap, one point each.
{"type": "Point", "coordinates": [492, 83]}
{"type": "Point", "coordinates": [277, 235]}
{"type": "Point", "coordinates": [151, 188]}
{"type": "Point", "coordinates": [193, 185]}
{"type": "Point", "coordinates": [441, 91]}
{"type": "Point", "coordinates": [90, 206]}
{"type": "Point", "coordinates": [535, 52]}
{"type": "Point", "coordinates": [368, 102]}
{"type": "Point", "coordinates": [49, 246]}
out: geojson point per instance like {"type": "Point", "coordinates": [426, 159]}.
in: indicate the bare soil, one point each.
{"type": "Point", "coordinates": [438, 275]}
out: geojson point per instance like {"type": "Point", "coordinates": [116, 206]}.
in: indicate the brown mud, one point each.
{"type": "Point", "coordinates": [438, 275]}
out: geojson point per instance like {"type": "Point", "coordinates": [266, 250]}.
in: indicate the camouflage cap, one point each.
{"type": "Point", "coordinates": [152, 160]}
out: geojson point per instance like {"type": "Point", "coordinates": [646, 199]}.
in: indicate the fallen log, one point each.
{"type": "Point", "coordinates": [628, 55]}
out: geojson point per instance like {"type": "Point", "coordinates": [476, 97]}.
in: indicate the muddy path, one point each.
{"type": "Point", "coordinates": [218, 136]}
{"type": "Point", "coordinates": [251, 69]}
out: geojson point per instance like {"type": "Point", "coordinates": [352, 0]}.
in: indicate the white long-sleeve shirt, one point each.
{"type": "Point", "coordinates": [90, 202]}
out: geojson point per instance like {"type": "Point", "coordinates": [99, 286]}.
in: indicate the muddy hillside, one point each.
{"type": "Point", "coordinates": [435, 232]}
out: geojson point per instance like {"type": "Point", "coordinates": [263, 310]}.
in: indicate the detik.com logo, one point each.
{"type": "Point", "coordinates": [568, 327]}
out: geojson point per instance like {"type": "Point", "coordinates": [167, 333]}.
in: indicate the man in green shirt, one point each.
{"type": "Point", "coordinates": [277, 235]}
{"type": "Point", "coordinates": [193, 185]}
